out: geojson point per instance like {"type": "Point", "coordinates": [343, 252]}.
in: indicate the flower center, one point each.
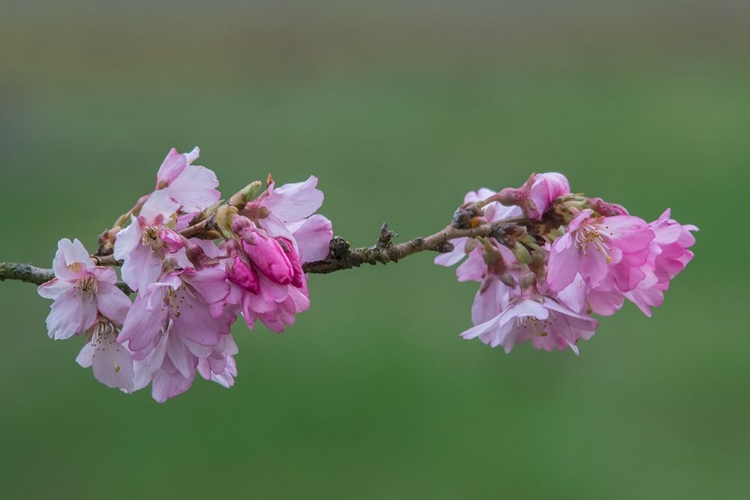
{"type": "Point", "coordinates": [150, 236]}
{"type": "Point", "coordinates": [175, 299]}
{"type": "Point", "coordinates": [88, 284]}
{"type": "Point", "coordinates": [590, 235]}
{"type": "Point", "coordinates": [537, 326]}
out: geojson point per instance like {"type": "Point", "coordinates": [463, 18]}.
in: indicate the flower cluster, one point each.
{"type": "Point", "coordinates": [195, 265]}
{"type": "Point", "coordinates": [552, 258]}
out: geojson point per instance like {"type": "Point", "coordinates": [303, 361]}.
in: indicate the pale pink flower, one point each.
{"type": "Point", "coordinates": [82, 291]}
{"type": "Point", "coordinates": [145, 242]}
{"type": "Point", "coordinates": [535, 317]}
{"type": "Point", "coordinates": [600, 248]}
{"type": "Point", "coordinates": [112, 363]}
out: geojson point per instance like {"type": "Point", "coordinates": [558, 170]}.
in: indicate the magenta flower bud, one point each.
{"type": "Point", "coordinates": [298, 281]}
{"type": "Point", "coordinates": [267, 256]}
{"type": "Point", "coordinates": [171, 240]}
{"type": "Point", "coordinates": [243, 275]}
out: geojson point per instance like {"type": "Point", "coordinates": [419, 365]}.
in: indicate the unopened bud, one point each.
{"type": "Point", "coordinates": [493, 258]}
{"type": "Point", "coordinates": [224, 218]}
{"type": "Point", "coordinates": [298, 280]}
{"type": "Point", "coordinates": [521, 253]}
{"type": "Point", "coordinates": [266, 255]}
{"type": "Point", "coordinates": [243, 275]}
{"type": "Point", "coordinates": [245, 194]}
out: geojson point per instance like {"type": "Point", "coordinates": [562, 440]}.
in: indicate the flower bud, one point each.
{"type": "Point", "coordinates": [224, 220]}
{"type": "Point", "coordinates": [243, 275]}
{"type": "Point", "coordinates": [266, 255]}
{"type": "Point", "coordinates": [245, 194]}
{"type": "Point", "coordinates": [298, 281]}
{"type": "Point", "coordinates": [521, 253]}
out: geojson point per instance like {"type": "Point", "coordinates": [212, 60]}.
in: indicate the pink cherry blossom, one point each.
{"type": "Point", "coordinates": [532, 317]}
{"type": "Point", "coordinates": [600, 248]}
{"type": "Point", "coordinates": [144, 243]}
{"type": "Point", "coordinates": [171, 366]}
{"type": "Point", "coordinates": [82, 291]}
{"type": "Point", "coordinates": [668, 256]}
{"type": "Point", "coordinates": [182, 298]}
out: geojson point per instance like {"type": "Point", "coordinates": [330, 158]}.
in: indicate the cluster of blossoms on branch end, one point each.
{"type": "Point", "coordinates": [552, 258]}
{"type": "Point", "coordinates": [195, 265]}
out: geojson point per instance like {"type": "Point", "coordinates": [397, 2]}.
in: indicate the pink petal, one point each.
{"type": "Point", "coordinates": [141, 269]}
{"type": "Point", "coordinates": [71, 261]}
{"type": "Point", "coordinates": [159, 207]}
{"type": "Point", "coordinates": [563, 263]}
{"type": "Point", "coordinates": [112, 302]}
{"type": "Point", "coordinates": [53, 288]}
{"type": "Point", "coordinates": [169, 383]}
{"type": "Point", "coordinates": [313, 238]}
{"type": "Point", "coordinates": [180, 357]}
{"type": "Point", "coordinates": [66, 315]}
{"type": "Point", "coordinates": [112, 364]}
{"type": "Point", "coordinates": [292, 202]}
{"type": "Point", "coordinates": [195, 188]}
{"type": "Point", "coordinates": [171, 167]}
{"type": "Point", "coordinates": [455, 255]}
{"type": "Point", "coordinates": [128, 239]}
{"type": "Point", "coordinates": [143, 322]}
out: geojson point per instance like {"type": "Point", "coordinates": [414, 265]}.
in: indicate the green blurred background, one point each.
{"type": "Point", "coordinates": [399, 108]}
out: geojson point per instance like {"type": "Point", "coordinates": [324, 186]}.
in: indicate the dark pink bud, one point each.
{"type": "Point", "coordinates": [243, 275]}
{"type": "Point", "coordinates": [298, 281]}
{"type": "Point", "coordinates": [267, 256]}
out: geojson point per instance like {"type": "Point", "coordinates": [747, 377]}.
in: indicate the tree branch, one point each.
{"type": "Point", "coordinates": [342, 256]}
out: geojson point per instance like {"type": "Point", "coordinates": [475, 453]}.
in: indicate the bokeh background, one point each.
{"type": "Point", "coordinates": [399, 108]}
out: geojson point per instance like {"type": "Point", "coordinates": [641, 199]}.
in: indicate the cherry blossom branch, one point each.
{"type": "Point", "coordinates": [341, 255]}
